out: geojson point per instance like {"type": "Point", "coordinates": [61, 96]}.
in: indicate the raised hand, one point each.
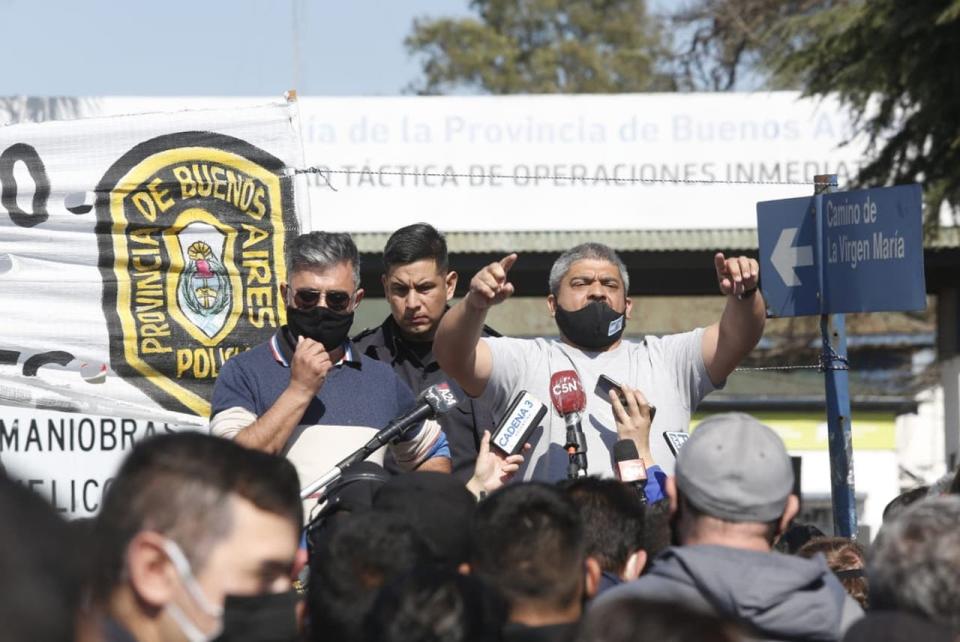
{"type": "Point", "coordinates": [490, 286]}
{"type": "Point", "coordinates": [309, 368]}
{"type": "Point", "coordinates": [736, 275]}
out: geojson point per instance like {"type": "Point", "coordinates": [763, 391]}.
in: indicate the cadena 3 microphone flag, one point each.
{"type": "Point", "coordinates": [138, 253]}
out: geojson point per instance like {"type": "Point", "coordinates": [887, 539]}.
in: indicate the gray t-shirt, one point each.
{"type": "Point", "coordinates": [668, 370]}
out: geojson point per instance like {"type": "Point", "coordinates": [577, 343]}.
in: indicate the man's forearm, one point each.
{"type": "Point", "coordinates": [728, 341]}
{"type": "Point", "coordinates": [455, 344]}
{"type": "Point", "coordinates": [271, 430]}
{"type": "Point", "coordinates": [742, 322]}
{"type": "Point", "coordinates": [436, 465]}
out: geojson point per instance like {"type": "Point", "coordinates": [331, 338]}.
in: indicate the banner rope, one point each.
{"type": "Point", "coordinates": [325, 172]}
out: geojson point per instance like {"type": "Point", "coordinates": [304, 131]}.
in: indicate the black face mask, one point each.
{"type": "Point", "coordinates": [270, 617]}
{"type": "Point", "coordinates": [594, 326]}
{"type": "Point", "coordinates": [320, 324]}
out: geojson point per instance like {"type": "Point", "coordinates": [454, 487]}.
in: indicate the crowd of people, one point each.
{"type": "Point", "coordinates": [445, 537]}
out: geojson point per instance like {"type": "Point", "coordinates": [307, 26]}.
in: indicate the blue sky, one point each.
{"type": "Point", "coordinates": [210, 47]}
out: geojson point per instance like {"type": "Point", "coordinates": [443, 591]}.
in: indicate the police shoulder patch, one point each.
{"type": "Point", "coordinates": [192, 229]}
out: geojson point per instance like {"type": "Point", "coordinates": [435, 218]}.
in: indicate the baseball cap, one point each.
{"type": "Point", "coordinates": [735, 468]}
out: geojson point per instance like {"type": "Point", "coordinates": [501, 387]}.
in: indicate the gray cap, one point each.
{"type": "Point", "coordinates": [735, 468]}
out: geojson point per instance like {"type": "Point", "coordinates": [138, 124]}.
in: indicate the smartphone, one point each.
{"type": "Point", "coordinates": [605, 384]}
{"type": "Point", "coordinates": [675, 440]}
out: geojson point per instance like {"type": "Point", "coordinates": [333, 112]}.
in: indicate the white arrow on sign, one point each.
{"type": "Point", "coordinates": [785, 257]}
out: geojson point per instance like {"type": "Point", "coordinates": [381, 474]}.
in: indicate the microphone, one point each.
{"type": "Point", "coordinates": [629, 467]}
{"type": "Point", "coordinates": [523, 415]}
{"type": "Point", "coordinates": [569, 399]}
{"type": "Point", "coordinates": [435, 400]}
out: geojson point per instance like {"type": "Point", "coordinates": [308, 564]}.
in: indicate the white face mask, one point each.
{"type": "Point", "coordinates": [189, 629]}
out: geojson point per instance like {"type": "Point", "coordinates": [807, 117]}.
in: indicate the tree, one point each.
{"type": "Point", "coordinates": [723, 45]}
{"type": "Point", "coordinates": [892, 63]}
{"type": "Point", "coordinates": [895, 65]}
{"type": "Point", "coordinates": [542, 46]}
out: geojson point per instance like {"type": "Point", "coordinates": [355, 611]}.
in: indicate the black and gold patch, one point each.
{"type": "Point", "coordinates": [192, 228]}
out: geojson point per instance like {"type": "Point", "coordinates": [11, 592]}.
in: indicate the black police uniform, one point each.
{"type": "Point", "coordinates": [414, 363]}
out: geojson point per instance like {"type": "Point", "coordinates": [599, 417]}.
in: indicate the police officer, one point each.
{"type": "Point", "coordinates": [418, 285]}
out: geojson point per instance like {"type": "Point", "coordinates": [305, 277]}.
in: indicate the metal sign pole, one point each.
{"type": "Point", "coordinates": [834, 361]}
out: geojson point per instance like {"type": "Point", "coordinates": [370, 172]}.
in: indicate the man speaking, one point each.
{"type": "Point", "coordinates": [588, 300]}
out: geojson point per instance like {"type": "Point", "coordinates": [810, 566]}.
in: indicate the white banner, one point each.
{"type": "Point", "coordinates": [503, 163]}
{"type": "Point", "coordinates": [138, 253]}
{"type": "Point", "coordinates": [567, 162]}
{"type": "Point", "coordinates": [69, 458]}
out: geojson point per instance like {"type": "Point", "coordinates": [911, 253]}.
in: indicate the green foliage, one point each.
{"type": "Point", "coordinates": [542, 46]}
{"type": "Point", "coordinates": [895, 64]}
{"type": "Point", "coordinates": [721, 45]}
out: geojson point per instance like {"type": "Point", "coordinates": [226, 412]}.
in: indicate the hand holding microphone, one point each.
{"type": "Point", "coordinates": [496, 465]}
{"type": "Point", "coordinates": [494, 468]}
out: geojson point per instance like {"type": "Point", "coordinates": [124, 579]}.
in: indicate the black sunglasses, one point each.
{"type": "Point", "coordinates": [336, 300]}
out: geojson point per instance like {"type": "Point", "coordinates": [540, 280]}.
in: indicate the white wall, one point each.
{"type": "Point", "coordinates": [875, 473]}
{"type": "Point", "coordinates": [950, 379]}
{"type": "Point", "coordinates": [920, 439]}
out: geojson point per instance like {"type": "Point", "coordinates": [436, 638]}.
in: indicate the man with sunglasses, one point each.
{"type": "Point", "coordinates": [307, 393]}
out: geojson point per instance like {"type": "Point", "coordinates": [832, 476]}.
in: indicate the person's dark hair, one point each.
{"type": "Point", "coordinates": [527, 542]}
{"type": "Point", "coordinates": [656, 530]}
{"type": "Point", "coordinates": [362, 552]}
{"type": "Point", "coordinates": [437, 505]}
{"type": "Point", "coordinates": [40, 572]}
{"type": "Point", "coordinates": [352, 493]}
{"type": "Point", "coordinates": [630, 618]}
{"type": "Point", "coordinates": [685, 507]}
{"type": "Point", "coordinates": [615, 516]}
{"type": "Point", "coordinates": [414, 243]}
{"type": "Point", "coordinates": [796, 536]}
{"type": "Point", "coordinates": [178, 485]}
{"type": "Point", "coordinates": [597, 251]}
{"type": "Point", "coordinates": [914, 563]}
{"type": "Point", "coordinates": [435, 604]}
{"type": "Point", "coordinates": [842, 555]}
{"type": "Point", "coordinates": [323, 250]}
{"type": "Point", "coordinates": [904, 499]}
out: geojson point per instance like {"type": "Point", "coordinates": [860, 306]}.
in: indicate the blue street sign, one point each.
{"type": "Point", "coordinates": [787, 230]}
{"type": "Point", "coordinates": [859, 251]}
{"type": "Point", "coordinates": [873, 250]}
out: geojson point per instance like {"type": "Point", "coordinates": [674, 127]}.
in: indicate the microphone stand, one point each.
{"type": "Point", "coordinates": [576, 447]}
{"type": "Point", "coordinates": [377, 442]}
